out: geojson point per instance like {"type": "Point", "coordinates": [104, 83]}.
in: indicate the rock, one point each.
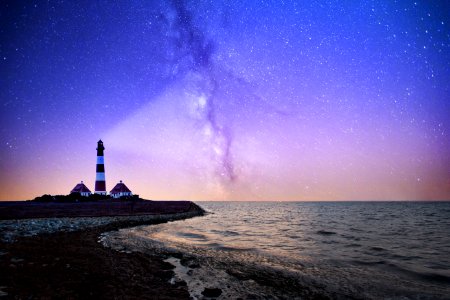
{"type": "Point", "coordinates": [167, 266]}
{"type": "Point", "coordinates": [238, 274]}
{"type": "Point", "coordinates": [212, 292]}
{"type": "Point", "coordinates": [3, 293]}
{"type": "Point", "coordinates": [190, 263]}
{"type": "Point", "coordinates": [194, 265]}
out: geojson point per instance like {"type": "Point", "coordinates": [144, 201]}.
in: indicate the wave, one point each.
{"type": "Point", "coordinates": [353, 245]}
{"type": "Point", "coordinates": [353, 251]}
{"type": "Point", "coordinates": [369, 263]}
{"type": "Point", "coordinates": [434, 277]}
{"type": "Point", "coordinates": [377, 248]}
{"type": "Point", "coordinates": [226, 232]}
{"type": "Point", "coordinates": [325, 232]}
{"type": "Point", "coordinates": [191, 235]}
{"type": "Point", "coordinates": [426, 276]}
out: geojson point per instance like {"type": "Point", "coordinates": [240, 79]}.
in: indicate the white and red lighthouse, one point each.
{"type": "Point", "coordinates": [100, 182]}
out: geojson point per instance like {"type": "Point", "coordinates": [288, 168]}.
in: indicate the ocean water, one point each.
{"type": "Point", "coordinates": [361, 250]}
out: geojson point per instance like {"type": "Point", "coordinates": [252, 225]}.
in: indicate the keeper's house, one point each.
{"type": "Point", "coordinates": [81, 189]}
{"type": "Point", "coordinates": [120, 190]}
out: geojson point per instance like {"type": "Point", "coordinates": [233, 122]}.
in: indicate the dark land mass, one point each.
{"type": "Point", "coordinates": [74, 265]}
{"type": "Point", "coordinates": [71, 207]}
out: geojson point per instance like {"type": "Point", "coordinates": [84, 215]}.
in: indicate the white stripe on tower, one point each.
{"type": "Point", "coordinates": [99, 176]}
{"type": "Point", "coordinates": [100, 182]}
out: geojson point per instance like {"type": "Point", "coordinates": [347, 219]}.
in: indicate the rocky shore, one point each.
{"type": "Point", "coordinates": [54, 257]}
{"type": "Point", "coordinates": [11, 230]}
{"type": "Point", "coordinates": [219, 275]}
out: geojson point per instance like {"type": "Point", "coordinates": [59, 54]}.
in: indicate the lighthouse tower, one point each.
{"type": "Point", "coordinates": [100, 183]}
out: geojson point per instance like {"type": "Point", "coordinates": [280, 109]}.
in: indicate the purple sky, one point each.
{"type": "Point", "coordinates": [212, 100]}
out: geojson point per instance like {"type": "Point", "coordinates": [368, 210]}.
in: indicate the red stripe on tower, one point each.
{"type": "Point", "coordinates": [100, 182]}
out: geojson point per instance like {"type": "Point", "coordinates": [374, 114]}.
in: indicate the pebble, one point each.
{"type": "Point", "coordinates": [10, 230]}
{"type": "Point", "coordinates": [2, 293]}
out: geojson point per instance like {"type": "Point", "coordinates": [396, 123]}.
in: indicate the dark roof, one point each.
{"type": "Point", "coordinates": [80, 188]}
{"type": "Point", "coordinates": [120, 188]}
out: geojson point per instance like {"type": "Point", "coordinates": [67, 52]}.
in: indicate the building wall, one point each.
{"type": "Point", "coordinates": [84, 194]}
{"type": "Point", "coordinates": [118, 195]}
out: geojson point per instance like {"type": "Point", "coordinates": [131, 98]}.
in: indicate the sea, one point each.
{"type": "Point", "coordinates": [304, 250]}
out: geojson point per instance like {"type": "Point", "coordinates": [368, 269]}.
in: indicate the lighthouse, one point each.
{"type": "Point", "coordinates": [100, 183]}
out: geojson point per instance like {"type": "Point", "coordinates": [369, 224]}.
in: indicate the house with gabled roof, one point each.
{"type": "Point", "coordinates": [120, 190]}
{"type": "Point", "coordinates": [81, 189]}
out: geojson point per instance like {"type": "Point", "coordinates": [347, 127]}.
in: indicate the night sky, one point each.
{"type": "Point", "coordinates": [227, 100]}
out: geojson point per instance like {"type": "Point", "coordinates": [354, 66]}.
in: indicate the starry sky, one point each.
{"type": "Point", "coordinates": [227, 100]}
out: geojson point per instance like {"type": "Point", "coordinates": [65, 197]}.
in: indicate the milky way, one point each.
{"type": "Point", "coordinates": [266, 100]}
{"type": "Point", "coordinates": [200, 49]}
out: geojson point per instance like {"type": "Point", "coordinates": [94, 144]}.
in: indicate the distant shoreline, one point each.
{"type": "Point", "coordinates": [33, 218]}
{"type": "Point", "coordinates": [16, 210]}
{"type": "Point", "coordinates": [12, 230]}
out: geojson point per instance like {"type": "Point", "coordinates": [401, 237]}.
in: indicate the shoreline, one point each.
{"type": "Point", "coordinates": [11, 230]}
{"type": "Point", "coordinates": [21, 219]}
{"type": "Point", "coordinates": [228, 278]}
{"type": "Point", "coordinates": [114, 261]}
{"type": "Point", "coordinates": [214, 253]}
{"type": "Point", "coordinates": [22, 210]}
{"type": "Point", "coordinates": [63, 258]}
